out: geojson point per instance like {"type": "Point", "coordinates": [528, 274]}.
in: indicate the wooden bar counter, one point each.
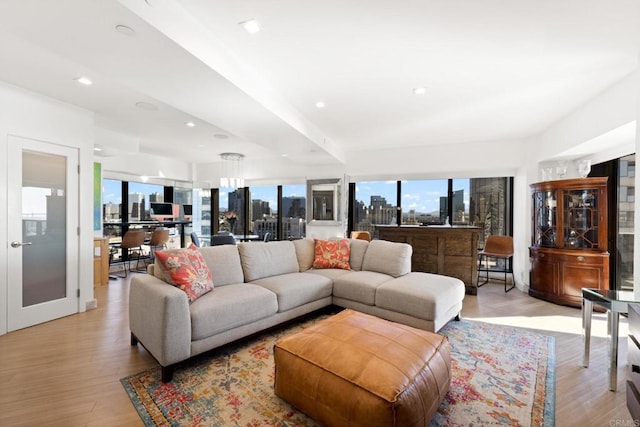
{"type": "Point", "coordinates": [450, 251]}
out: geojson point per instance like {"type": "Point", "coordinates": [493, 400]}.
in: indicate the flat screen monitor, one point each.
{"type": "Point", "coordinates": [187, 209]}
{"type": "Point", "coordinates": [164, 209]}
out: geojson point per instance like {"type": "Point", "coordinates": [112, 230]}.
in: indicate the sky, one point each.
{"type": "Point", "coordinates": [421, 196]}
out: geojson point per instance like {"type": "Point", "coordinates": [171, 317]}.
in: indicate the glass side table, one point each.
{"type": "Point", "coordinates": [615, 302]}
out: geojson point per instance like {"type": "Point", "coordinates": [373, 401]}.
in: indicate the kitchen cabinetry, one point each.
{"type": "Point", "coordinates": [569, 239]}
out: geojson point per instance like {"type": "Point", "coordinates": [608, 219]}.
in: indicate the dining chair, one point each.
{"type": "Point", "coordinates": [159, 239]}
{"type": "Point", "coordinates": [132, 242]}
{"type": "Point", "coordinates": [195, 239]}
{"type": "Point", "coordinates": [222, 239]}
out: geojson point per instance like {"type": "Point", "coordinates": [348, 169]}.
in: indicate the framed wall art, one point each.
{"type": "Point", "coordinates": [323, 197]}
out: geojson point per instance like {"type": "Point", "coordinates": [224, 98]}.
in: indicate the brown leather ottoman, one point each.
{"type": "Point", "coordinates": [354, 369]}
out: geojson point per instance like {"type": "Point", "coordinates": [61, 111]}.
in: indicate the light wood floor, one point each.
{"type": "Point", "coordinates": [67, 372]}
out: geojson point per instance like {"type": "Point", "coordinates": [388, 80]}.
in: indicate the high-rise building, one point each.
{"type": "Point", "coordinates": [294, 228]}
{"type": "Point", "coordinates": [266, 225]}
{"type": "Point", "coordinates": [381, 212]}
{"type": "Point", "coordinates": [156, 198]}
{"type": "Point", "coordinates": [626, 210]}
{"type": "Point", "coordinates": [294, 207]}
{"type": "Point", "coordinates": [111, 212]}
{"type": "Point", "coordinates": [136, 207]}
{"type": "Point", "coordinates": [487, 205]}
{"type": "Point", "coordinates": [236, 205]}
{"type": "Point", "coordinates": [260, 209]}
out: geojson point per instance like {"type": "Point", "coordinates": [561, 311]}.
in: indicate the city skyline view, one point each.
{"type": "Point", "coordinates": [422, 196]}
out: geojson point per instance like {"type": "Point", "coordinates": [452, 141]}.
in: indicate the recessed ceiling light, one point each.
{"type": "Point", "coordinates": [200, 145]}
{"type": "Point", "coordinates": [250, 25]}
{"type": "Point", "coordinates": [190, 124]}
{"type": "Point", "coordinates": [284, 155]}
{"type": "Point", "coordinates": [419, 90]}
{"type": "Point", "coordinates": [146, 106]}
{"type": "Point", "coordinates": [97, 148]}
{"type": "Point", "coordinates": [320, 104]}
{"type": "Point", "coordinates": [84, 80]}
{"type": "Point", "coordinates": [123, 29]}
{"type": "Point", "coordinates": [221, 136]}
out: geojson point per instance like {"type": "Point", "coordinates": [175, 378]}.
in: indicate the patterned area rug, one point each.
{"type": "Point", "coordinates": [501, 376]}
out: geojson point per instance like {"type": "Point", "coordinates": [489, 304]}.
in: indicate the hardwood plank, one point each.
{"type": "Point", "coordinates": [67, 372]}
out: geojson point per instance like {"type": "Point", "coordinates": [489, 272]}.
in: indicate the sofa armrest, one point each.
{"type": "Point", "coordinates": [160, 319]}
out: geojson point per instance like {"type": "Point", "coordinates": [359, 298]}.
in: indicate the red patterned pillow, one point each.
{"type": "Point", "coordinates": [331, 254]}
{"type": "Point", "coordinates": [187, 270]}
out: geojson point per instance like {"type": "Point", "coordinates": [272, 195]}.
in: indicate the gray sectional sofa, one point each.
{"type": "Point", "coordinates": [259, 285]}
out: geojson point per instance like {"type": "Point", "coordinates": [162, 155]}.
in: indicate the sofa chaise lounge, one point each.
{"type": "Point", "coordinates": [262, 284]}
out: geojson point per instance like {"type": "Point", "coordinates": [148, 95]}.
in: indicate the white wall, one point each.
{"type": "Point", "coordinates": [33, 116]}
{"type": "Point", "coordinates": [609, 110]}
{"type": "Point", "coordinates": [133, 167]}
{"type": "Point", "coordinates": [573, 137]}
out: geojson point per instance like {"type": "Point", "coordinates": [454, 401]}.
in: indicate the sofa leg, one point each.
{"type": "Point", "coordinates": [458, 317]}
{"type": "Point", "coordinates": [167, 373]}
{"type": "Point", "coordinates": [134, 340]}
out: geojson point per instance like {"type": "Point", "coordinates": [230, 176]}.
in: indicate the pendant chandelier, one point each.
{"type": "Point", "coordinates": [231, 176]}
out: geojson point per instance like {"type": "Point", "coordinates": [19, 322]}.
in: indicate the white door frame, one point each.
{"type": "Point", "coordinates": [17, 316]}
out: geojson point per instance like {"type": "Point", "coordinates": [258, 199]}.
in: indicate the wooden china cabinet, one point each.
{"type": "Point", "coordinates": [569, 239]}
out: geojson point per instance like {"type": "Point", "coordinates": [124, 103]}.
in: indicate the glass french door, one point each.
{"type": "Point", "coordinates": [43, 240]}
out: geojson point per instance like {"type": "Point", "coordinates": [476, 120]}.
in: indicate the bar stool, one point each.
{"type": "Point", "coordinates": [500, 247]}
{"type": "Point", "coordinates": [361, 235]}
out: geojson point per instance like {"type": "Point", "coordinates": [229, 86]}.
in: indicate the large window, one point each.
{"type": "Point", "coordinates": [182, 196]}
{"type": "Point", "coordinates": [141, 195]}
{"type": "Point", "coordinates": [375, 204]}
{"type": "Point", "coordinates": [112, 200]}
{"type": "Point", "coordinates": [230, 209]}
{"type": "Point", "coordinates": [460, 205]}
{"type": "Point", "coordinates": [480, 202]}
{"type": "Point", "coordinates": [626, 212]}
{"type": "Point", "coordinates": [424, 202]}
{"type": "Point", "coordinates": [264, 211]}
{"type": "Point", "coordinates": [490, 206]}
{"type": "Point", "coordinates": [294, 211]}
{"type": "Point", "coordinates": [201, 214]}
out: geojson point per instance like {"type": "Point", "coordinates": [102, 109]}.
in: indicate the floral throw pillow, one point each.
{"type": "Point", "coordinates": [187, 270]}
{"type": "Point", "coordinates": [331, 254]}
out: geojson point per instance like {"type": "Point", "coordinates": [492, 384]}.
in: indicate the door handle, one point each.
{"type": "Point", "coordinates": [15, 244]}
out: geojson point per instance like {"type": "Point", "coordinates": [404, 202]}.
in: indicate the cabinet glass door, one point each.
{"type": "Point", "coordinates": [581, 219]}
{"type": "Point", "coordinates": [545, 219]}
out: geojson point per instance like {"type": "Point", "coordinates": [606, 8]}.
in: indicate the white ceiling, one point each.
{"type": "Point", "coordinates": [493, 70]}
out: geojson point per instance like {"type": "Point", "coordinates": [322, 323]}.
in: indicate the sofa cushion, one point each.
{"type": "Point", "coordinates": [224, 263]}
{"type": "Point", "coordinates": [331, 273]}
{"type": "Point", "coordinates": [228, 307]}
{"type": "Point", "coordinates": [266, 259]}
{"type": "Point", "coordinates": [296, 289]}
{"type": "Point", "coordinates": [187, 270]}
{"type": "Point", "coordinates": [358, 249]}
{"type": "Point", "coordinates": [390, 258]}
{"type": "Point", "coordinates": [422, 295]}
{"type": "Point", "coordinates": [331, 254]}
{"type": "Point", "coordinates": [359, 286]}
{"type": "Point", "coordinates": [305, 253]}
